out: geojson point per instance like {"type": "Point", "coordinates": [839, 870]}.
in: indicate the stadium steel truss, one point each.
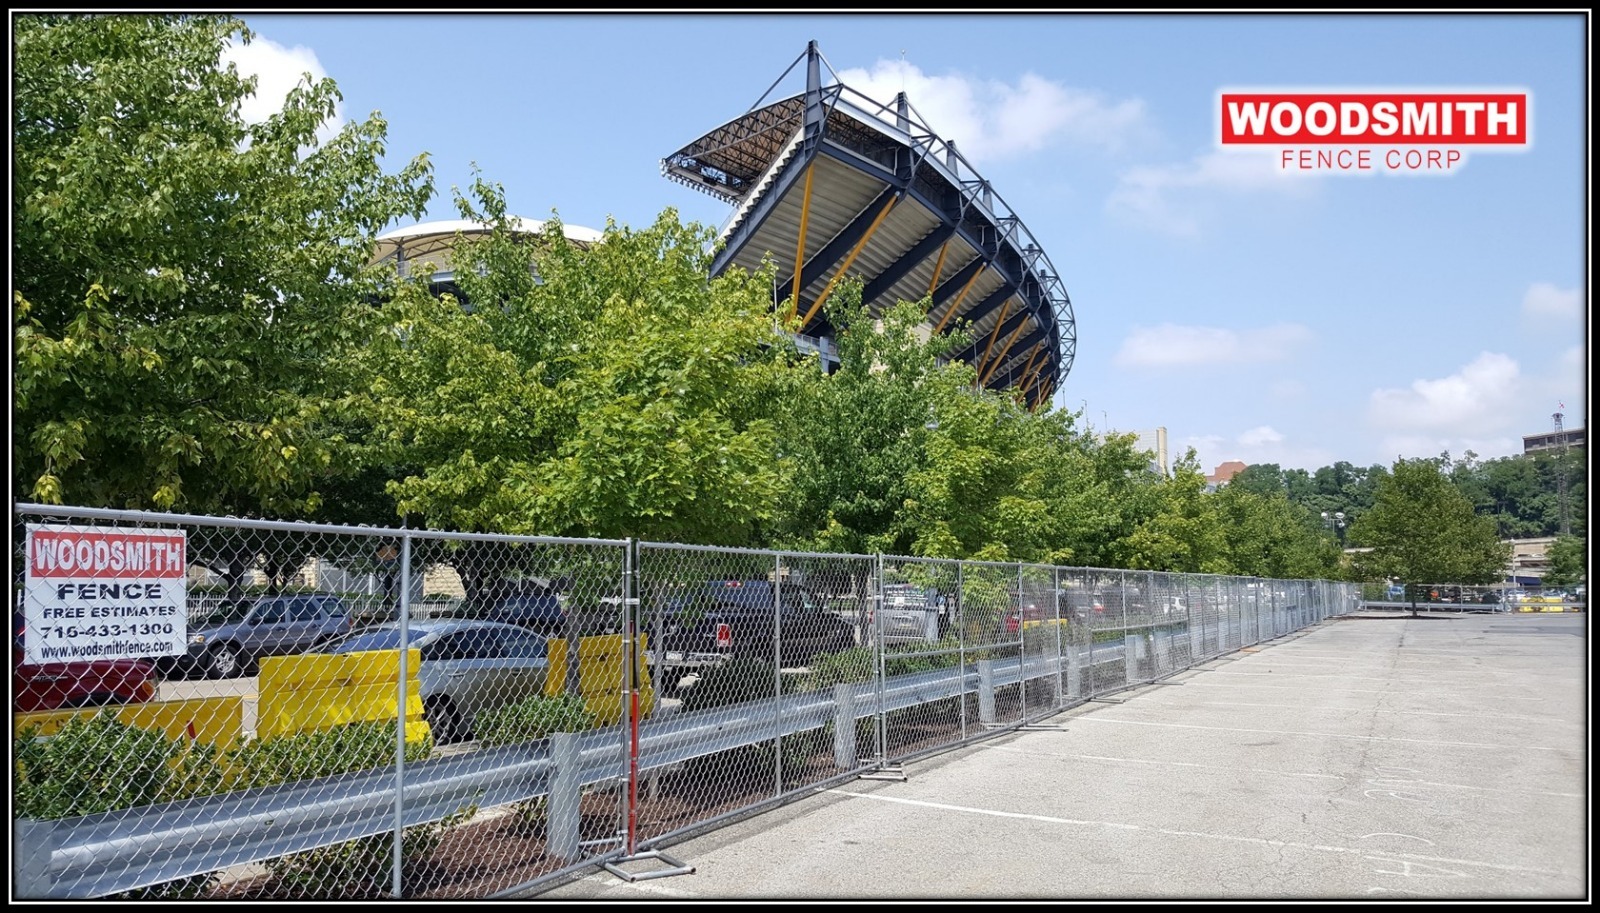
{"type": "Point", "coordinates": [830, 183]}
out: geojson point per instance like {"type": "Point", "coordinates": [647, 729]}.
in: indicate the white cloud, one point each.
{"type": "Point", "coordinates": [990, 119]}
{"type": "Point", "coordinates": [1166, 197]}
{"type": "Point", "coordinates": [1481, 397]}
{"type": "Point", "coordinates": [1257, 437]}
{"type": "Point", "coordinates": [1171, 345]}
{"type": "Point", "coordinates": [1544, 300]}
{"type": "Point", "coordinates": [278, 70]}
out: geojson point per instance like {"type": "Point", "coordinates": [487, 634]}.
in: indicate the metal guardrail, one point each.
{"type": "Point", "coordinates": [127, 849]}
{"type": "Point", "coordinates": [133, 848]}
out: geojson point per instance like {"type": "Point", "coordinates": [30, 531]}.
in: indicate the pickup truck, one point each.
{"type": "Point", "coordinates": [715, 620]}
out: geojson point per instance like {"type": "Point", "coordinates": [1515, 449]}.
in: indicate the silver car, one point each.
{"type": "Point", "coordinates": [468, 667]}
{"type": "Point", "coordinates": [910, 616]}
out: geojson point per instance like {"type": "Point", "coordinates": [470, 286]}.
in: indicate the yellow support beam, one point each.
{"type": "Point", "coordinates": [938, 268]}
{"type": "Point", "coordinates": [1002, 358]}
{"type": "Point", "coordinates": [956, 305]}
{"type": "Point", "coordinates": [1027, 369]}
{"type": "Point", "coordinates": [817, 305]}
{"type": "Point", "coordinates": [800, 246]}
{"type": "Point", "coordinates": [996, 333]}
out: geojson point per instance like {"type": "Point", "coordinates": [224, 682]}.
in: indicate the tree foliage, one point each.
{"type": "Point", "coordinates": [1568, 562]}
{"type": "Point", "coordinates": [1270, 536]}
{"type": "Point", "coordinates": [1422, 529]}
{"type": "Point", "coordinates": [185, 283]}
{"type": "Point", "coordinates": [855, 439]}
{"type": "Point", "coordinates": [613, 391]}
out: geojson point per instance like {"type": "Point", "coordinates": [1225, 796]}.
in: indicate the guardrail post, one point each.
{"type": "Point", "coordinates": [1196, 637]}
{"type": "Point", "coordinates": [562, 806]}
{"type": "Point", "coordinates": [986, 714]}
{"type": "Point", "coordinates": [844, 726]}
{"type": "Point", "coordinates": [1074, 673]}
{"type": "Point", "coordinates": [32, 842]}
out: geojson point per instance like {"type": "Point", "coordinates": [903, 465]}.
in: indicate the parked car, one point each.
{"type": "Point", "coordinates": [910, 615]}
{"type": "Point", "coordinates": [1077, 605]}
{"type": "Point", "coordinates": [467, 667]}
{"type": "Point", "coordinates": [228, 642]}
{"type": "Point", "coordinates": [80, 683]}
{"type": "Point", "coordinates": [712, 621]}
{"type": "Point", "coordinates": [527, 604]}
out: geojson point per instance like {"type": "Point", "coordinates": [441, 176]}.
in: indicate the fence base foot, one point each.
{"type": "Point", "coordinates": [886, 772]}
{"type": "Point", "coordinates": [1106, 700]}
{"type": "Point", "coordinates": [674, 866]}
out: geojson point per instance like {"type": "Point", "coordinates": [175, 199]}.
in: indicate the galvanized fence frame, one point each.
{"type": "Point", "coordinates": [1010, 645]}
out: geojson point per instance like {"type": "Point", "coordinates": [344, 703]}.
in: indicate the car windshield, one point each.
{"type": "Point", "coordinates": [376, 639]}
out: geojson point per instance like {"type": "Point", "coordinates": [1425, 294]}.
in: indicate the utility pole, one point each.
{"type": "Point", "coordinates": [1561, 474]}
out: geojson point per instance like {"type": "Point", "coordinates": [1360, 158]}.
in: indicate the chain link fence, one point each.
{"type": "Point", "coordinates": [221, 709]}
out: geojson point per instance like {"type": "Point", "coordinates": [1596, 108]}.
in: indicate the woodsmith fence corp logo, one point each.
{"type": "Point", "coordinates": [1416, 132]}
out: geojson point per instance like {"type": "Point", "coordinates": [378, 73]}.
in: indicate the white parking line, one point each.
{"type": "Point", "coordinates": [1257, 841]}
{"type": "Point", "coordinates": [1091, 718]}
{"type": "Point", "coordinates": [1173, 705]}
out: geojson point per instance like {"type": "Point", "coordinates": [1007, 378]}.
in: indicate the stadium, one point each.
{"type": "Point", "coordinates": [829, 183]}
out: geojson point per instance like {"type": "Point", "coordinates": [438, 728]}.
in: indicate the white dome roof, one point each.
{"type": "Point", "coordinates": [430, 239]}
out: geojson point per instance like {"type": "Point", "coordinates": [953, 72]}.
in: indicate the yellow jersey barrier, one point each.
{"type": "Point", "coordinates": [217, 721]}
{"type": "Point", "coordinates": [600, 675]}
{"type": "Point", "coordinates": [314, 691]}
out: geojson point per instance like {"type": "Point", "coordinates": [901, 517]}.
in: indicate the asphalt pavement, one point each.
{"type": "Point", "coordinates": [1363, 758]}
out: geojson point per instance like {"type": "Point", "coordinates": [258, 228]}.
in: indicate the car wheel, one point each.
{"type": "Point", "coordinates": [224, 661]}
{"type": "Point", "coordinates": [444, 721]}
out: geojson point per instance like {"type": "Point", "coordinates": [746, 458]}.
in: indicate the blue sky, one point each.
{"type": "Point", "coordinates": [1256, 316]}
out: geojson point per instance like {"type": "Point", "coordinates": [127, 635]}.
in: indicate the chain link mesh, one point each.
{"type": "Point", "coordinates": [240, 722]}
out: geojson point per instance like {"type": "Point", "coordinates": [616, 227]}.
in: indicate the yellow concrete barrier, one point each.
{"type": "Point", "coordinates": [600, 675]}
{"type": "Point", "coordinates": [214, 720]}
{"type": "Point", "coordinates": [315, 691]}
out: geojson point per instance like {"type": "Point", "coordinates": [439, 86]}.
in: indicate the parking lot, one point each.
{"type": "Point", "coordinates": [1363, 758]}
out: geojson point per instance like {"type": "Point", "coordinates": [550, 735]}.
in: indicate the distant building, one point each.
{"type": "Point", "coordinates": [1155, 442]}
{"type": "Point", "coordinates": [1552, 440]}
{"type": "Point", "coordinates": [1529, 560]}
{"type": "Point", "coordinates": [1223, 474]}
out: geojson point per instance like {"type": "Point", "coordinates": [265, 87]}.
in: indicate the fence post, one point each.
{"type": "Point", "coordinates": [403, 695]}
{"type": "Point", "coordinates": [844, 726]}
{"type": "Point", "coordinates": [1055, 599]}
{"type": "Point", "coordinates": [1131, 644]}
{"type": "Point", "coordinates": [32, 841]}
{"type": "Point", "coordinates": [1197, 637]}
{"type": "Point", "coordinates": [986, 714]}
{"type": "Point", "coordinates": [561, 809]}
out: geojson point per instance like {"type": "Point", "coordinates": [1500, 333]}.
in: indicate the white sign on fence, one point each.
{"type": "Point", "coordinates": [105, 593]}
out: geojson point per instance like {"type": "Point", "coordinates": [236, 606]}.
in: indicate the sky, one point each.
{"type": "Point", "coordinates": [1257, 313]}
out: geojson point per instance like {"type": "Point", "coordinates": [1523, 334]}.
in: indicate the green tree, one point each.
{"type": "Point", "coordinates": [612, 391]}
{"type": "Point", "coordinates": [1567, 556]}
{"type": "Point", "coordinates": [858, 438]}
{"type": "Point", "coordinates": [1267, 536]}
{"type": "Point", "coordinates": [1423, 530]}
{"type": "Point", "coordinates": [1185, 532]}
{"type": "Point", "coordinates": [186, 285]}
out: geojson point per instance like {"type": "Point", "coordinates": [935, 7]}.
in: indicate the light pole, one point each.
{"type": "Point", "coordinates": [1335, 522]}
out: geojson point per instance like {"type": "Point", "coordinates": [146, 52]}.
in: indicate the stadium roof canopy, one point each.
{"type": "Point", "coordinates": [830, 183]}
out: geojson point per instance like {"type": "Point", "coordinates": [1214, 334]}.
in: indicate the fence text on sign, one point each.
{"type": "Point", "coordinates": [98, 594]}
